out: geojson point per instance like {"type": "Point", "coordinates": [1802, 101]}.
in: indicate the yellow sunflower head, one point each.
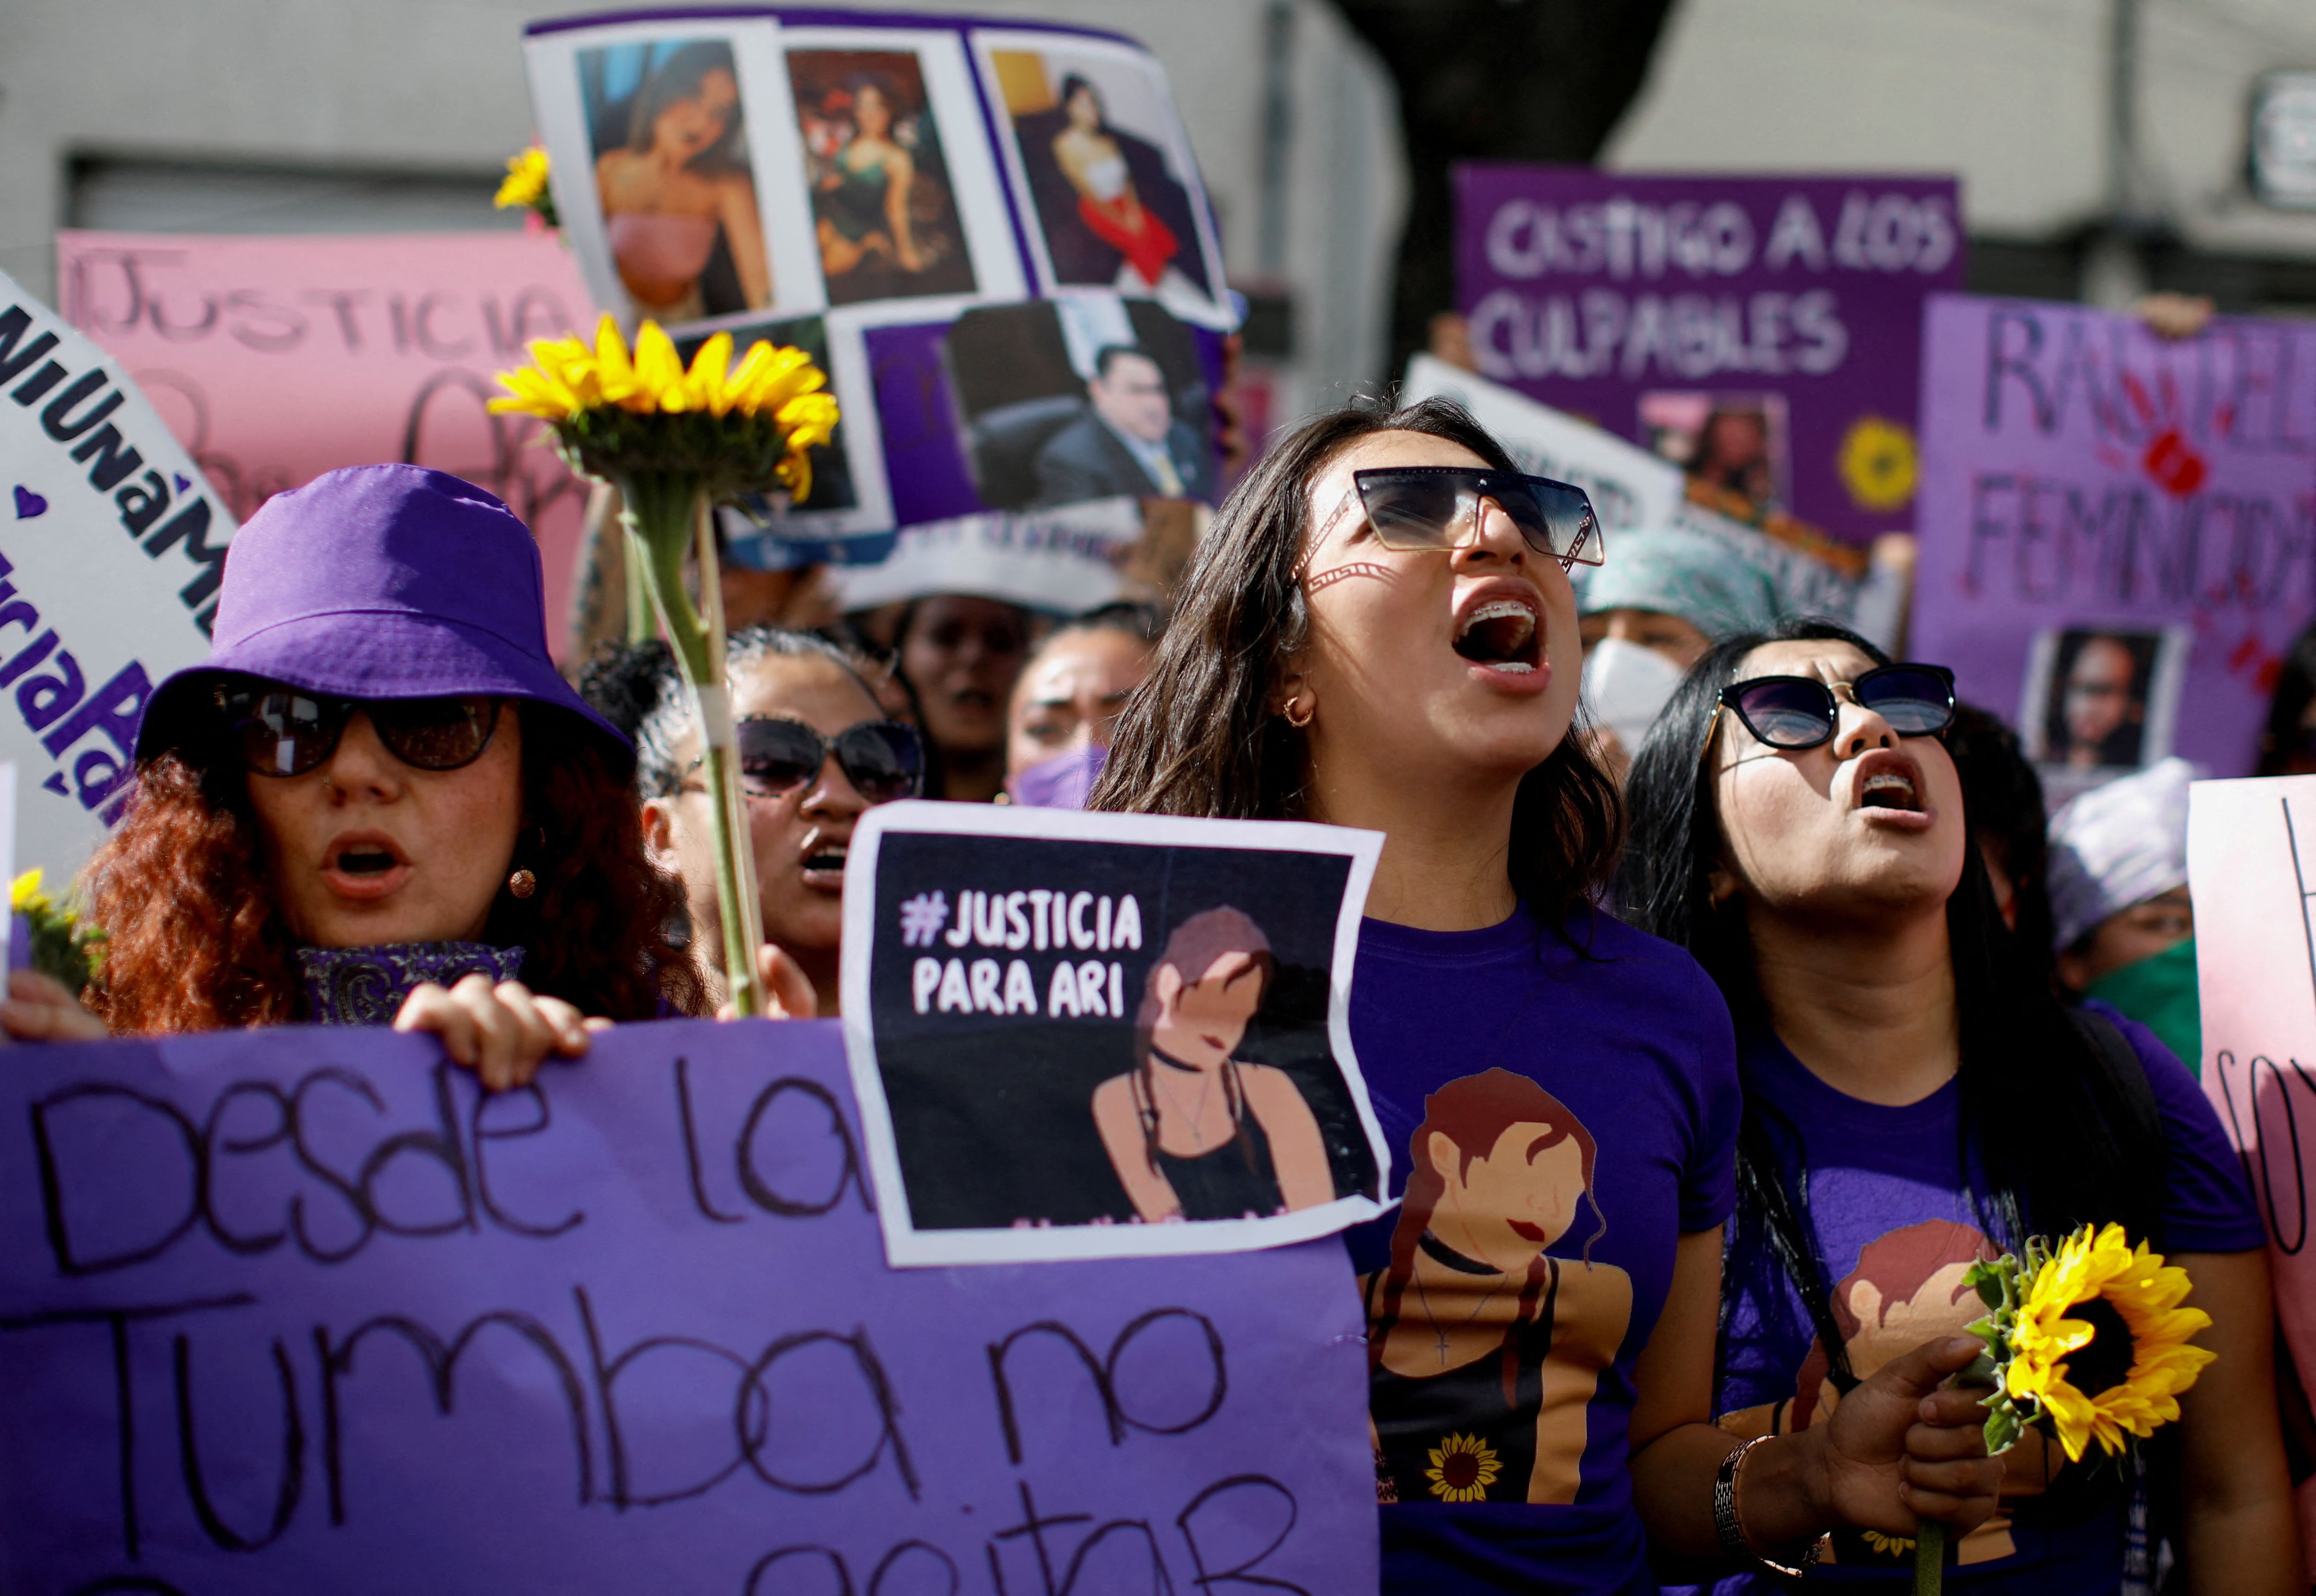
{"type": "Point", "coordinates": [1878, 464]}
{"type": "Point", "coordinates": [732, 430]}
{"type": "Point", "coordinates": [2100, 1344]}
{"type": "Point", "coordinates": [1462, 1467]}
{"type": "Point", "coordinates": [24, 894]}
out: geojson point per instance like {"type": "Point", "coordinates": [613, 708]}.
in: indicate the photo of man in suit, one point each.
{"type": "Point", "coordinates": [1130, 442]}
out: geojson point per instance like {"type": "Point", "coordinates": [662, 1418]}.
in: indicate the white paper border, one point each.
{"type": "Point", "coordinates": [906, 1246]}
{"type": "Point", "coordinates": [1215, 314]}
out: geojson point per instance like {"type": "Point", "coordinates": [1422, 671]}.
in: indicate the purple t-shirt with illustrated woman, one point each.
{"type": "Point", "coordinates": [1561, 1106]}
{"type": "Point", "coordinates": [1896, 1231]}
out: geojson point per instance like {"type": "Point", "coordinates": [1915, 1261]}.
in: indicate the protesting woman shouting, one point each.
{"type": "Point", "coordinates": [377, 803]}
{"type": "Point", "coordinates": [1916, 1102]}
{"type": "Point", "coordinates": [1380, 631]}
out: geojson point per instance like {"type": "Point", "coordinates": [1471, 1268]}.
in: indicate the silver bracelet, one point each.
{"type": "Point", "coordinates": [1731, 1533]}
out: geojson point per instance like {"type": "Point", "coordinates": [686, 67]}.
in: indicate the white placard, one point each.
{"type": "Point", "coordinates": [112, 548]}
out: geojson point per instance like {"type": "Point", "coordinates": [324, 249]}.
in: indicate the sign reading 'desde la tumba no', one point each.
{"type": "Point", "coordinates": [111, 549]}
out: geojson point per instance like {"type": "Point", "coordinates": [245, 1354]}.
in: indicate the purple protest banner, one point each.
{"type": "Point", "coordinates": [2118, 531]}
{"type": "Point", "coordinates": [299, 1310]}
{"type": "Point", "coordinates": [1763, 332]}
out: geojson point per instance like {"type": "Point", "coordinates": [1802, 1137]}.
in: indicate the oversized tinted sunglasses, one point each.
{"type": "Point", "coordinates": [1438, 507]}
{"type": "Point", "coordinates": [284, 731]}
{"type": "Point", "coordinates": [883, 759]}
{"type": "Point", "coordinates": [1793, 712]}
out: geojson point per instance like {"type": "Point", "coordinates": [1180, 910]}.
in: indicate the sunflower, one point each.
{"type": "Point", "coordinates": [1877, 463]}
{"type": "Point", "coordinates": [61, 943]}
{"type": "Point", "coordinates": [1462, 1467]}
{"type": "Point", "coordinates": [2101, 1342]}
{"type": "Point", "coordinates": [525, 186]}
{"type": "Point", "coordinates": [736, 430]}
{"type": "Point", "coordinates": [675, 441]}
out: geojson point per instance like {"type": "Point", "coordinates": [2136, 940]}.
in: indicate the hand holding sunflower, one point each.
{"type": "Point", "coordinates": [675, 441]}
{"type": "Point", "coordinates": [2087, 1341]}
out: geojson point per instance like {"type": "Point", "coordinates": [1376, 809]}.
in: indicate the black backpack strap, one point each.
{"type": "Point", "coordinates": [1761, 1184]}
{"type": "Point", "coordinates": [2126, 1073]}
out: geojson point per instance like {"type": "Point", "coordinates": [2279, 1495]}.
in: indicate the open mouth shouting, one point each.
{"type": "Point", "coordinates": [1500, 630]}
{"type": "Point", "coordinates": [364, 866]}
{"type": "Point", "coordinates": [823, 862]}
{"type": "Point", "coordinates": [1889, 791]}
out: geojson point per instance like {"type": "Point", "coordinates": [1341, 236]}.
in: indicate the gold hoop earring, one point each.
{"type": "Point", "coordinates": [522, 884]}
{"type": "Point", "coordinates": [1299, 721]}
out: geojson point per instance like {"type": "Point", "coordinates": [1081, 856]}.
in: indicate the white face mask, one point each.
{"type": "Point", "coordinates": [1627, 687]}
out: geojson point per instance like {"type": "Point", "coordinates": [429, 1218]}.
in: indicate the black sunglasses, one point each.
{"type": "Point", "coordinates": [1793, 712]}
{"type": "Point", "coordinates": [883, 759]}
{"type": "Point", "coordinates": [285, 731]}
{"type": "Point", "coordinates": [1438, 507]}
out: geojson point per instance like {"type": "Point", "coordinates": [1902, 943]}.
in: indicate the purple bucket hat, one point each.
{"type": "Point", "coordinates": [378, 582]}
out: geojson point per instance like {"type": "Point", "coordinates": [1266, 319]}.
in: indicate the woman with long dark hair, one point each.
{"type": "Point", "coordinates": [1380, 631]}
{"type": "Point", "coordinates": [377, 803]}
{"type": "Point", "coordinates": [1917, 1100]}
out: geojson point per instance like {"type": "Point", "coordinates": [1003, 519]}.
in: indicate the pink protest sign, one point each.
{"type": "Point", "coordinates": [2251, 864]}
{"type": "Point", "coordinates": [275, 358]}
{"type": "Point", "coordinates": [2115, 528]}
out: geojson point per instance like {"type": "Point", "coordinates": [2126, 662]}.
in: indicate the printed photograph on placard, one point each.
{"type": "Point", "coordinates": [680, 216]}
{"type": "Point", "coordinates": [1098, 161]}
{"type": "Point", "coordinates": [1090, 396]}
{"type": "Point", "coordinates": [884, 212]}
{"type": "Point", "coordinates": [1737, 442]}
{"type": "Point", "coordinates": [1083, 1035]}
{"type": "Point", "coordinates": [2103, 698]}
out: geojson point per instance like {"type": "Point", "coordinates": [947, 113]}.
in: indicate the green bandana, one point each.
{"type": "Point", "coordinates": [2160, 993]}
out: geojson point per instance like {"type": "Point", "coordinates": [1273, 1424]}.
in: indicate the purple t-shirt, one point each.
{"type": "Point", "coordinates": [1894, 1228]}
{"type": "Point", "coordinates": [1561, 1107]}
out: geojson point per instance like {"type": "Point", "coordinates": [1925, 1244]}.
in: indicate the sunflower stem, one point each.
{"type": "Point", "coordinates": [1929, 1558]}
{"type": "Point", "coordinates": [641, 625]}
{"type": "Point", "coordinates": [665, 513]}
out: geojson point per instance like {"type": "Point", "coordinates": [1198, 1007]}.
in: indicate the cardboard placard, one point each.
{"type": "Point", "coordinates": [1762, 332]}
{"type": "Point", "coordinates": [995, 239]}
{"type": "Point", "coordinates": [111, 547]}
{"type": "Point", "coordinates": [299, 1310]}
{"type": "Point", "coordinates": [2118, 531]}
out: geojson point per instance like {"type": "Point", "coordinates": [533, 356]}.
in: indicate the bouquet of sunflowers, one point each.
{"type": "Point", "coordinates": [2087, 1341]}
{"type": "Point", "coordinates": [674, 440]}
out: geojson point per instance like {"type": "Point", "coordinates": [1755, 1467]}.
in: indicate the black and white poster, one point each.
{"type": "Point", "coordinates": [1087, 1035]}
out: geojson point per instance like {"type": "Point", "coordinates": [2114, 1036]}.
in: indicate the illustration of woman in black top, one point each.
{"type": "Point", "coordinates": [1194, 1132]}
{"type": "Point", "coordinates": [1483, 1351]}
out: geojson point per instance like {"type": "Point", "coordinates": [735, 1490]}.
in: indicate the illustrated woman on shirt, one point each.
{"type": "Point", "coordinates": [680, 184]}
{"type": "Point", "coordinates": [1379, 632]}
{"type": "Point", "coordinates": [1193, 1133]}
{"type": "Point", "coordinates": [1798, 824]}
{"type": "Point", "coordinates": [1091, 159]}
{"type": "Point", "coordinates": [1485, 1350]}
{"type": "Point", "coordinates": [863, 201]}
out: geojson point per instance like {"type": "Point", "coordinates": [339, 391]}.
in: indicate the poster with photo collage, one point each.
{"type": "Point", "coordinates": [994, 239]}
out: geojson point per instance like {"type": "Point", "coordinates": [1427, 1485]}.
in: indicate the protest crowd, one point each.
{"type": "Point", "coordinates": [1736, 993]}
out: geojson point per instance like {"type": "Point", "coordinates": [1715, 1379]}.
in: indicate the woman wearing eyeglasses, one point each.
{"type": "Point", "coordinates": [816, 751]}
{"type": "Point", "coordinates": [1379, 632]}
{"type": "Point", "coordinates": [376, 803]}
{"type": "Point", "coordinates": [1916, 1101]}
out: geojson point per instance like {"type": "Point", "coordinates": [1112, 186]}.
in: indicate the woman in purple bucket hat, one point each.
{"type": "Point", "coordinates": [377, 803]}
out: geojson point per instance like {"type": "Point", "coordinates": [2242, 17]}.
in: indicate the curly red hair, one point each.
{"type": "Point", "coordinates": [194, 940]}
